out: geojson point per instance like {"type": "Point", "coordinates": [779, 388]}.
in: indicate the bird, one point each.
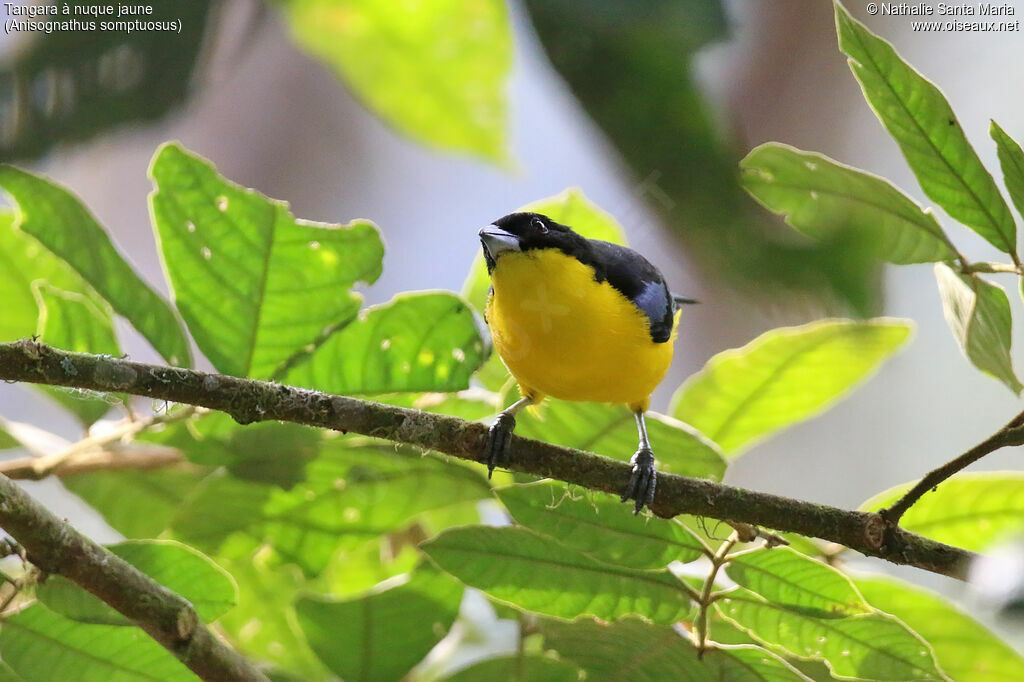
{"type": "Point", "coordinates": [577, 319]}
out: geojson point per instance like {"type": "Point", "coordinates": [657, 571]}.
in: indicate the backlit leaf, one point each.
{"type": "Point", "coordinates": [1011, 159]}
{"type": "Point", "coordinates": [919, 118]}
{"type": "Point", "coordinates": [783, 377]}
{"type": "Point", "coordinates": [825, 200]}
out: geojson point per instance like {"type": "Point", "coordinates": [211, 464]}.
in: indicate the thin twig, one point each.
{"type": "Point", "coordinates": [109, 458]}
{"type": "Point", "coordinates": [705, 596]}
{"type": "Point", "coordinates": [1011, 434]}
{"type": "Point", "coordinates": [248, 401]}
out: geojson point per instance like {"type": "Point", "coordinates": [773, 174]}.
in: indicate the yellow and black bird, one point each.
{"type": "Point", "coordinates": [577, 319]}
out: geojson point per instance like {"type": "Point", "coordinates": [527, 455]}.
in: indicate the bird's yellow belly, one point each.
{"type": "Point", "coordinates": [562, 334]}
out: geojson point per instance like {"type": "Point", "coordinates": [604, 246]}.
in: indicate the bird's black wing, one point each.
{"type": "Point", "coordinates": [636, 279]}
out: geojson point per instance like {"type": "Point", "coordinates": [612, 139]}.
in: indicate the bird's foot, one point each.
{"type": "Point", "coordinates": [498, 437]}
{"type": "Point", "coordinates": [642, 480]}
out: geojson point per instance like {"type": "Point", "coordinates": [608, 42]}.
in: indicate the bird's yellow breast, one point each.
{"type": "Point", "coordinates": [563, 334]}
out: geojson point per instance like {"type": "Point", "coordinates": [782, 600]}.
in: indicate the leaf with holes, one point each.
{"type": "Point", "coordinates": [827, 200]}
{"type": "Point", "coordinates": [634, 650]}
{"type": "Point", "coordinates": [179, 568]}
{"type": "Point", "coordinates": [519, 567]}
{"type": "Point", "coordinates": [871, 646]}
{"type": "Point", "coordinates": [783, 377]}
{"type": "Point", "coordinates": [978, 314]}
{"type": "Point", "coordinates": [43, 646]}
{"type": "Point", "coordinates": [966, 649]}
{"type": "Point", "coordinates": [386, 632]}
{"type": "Point", "coordinates": [419, 341]}
{"type": "Point", "coordinates": [435, 71]}
{"type": "Point", "coordinates": [794, 581]}
{"type": "Point", "coordinates": [610, 430]}
{"type": "Point", "coordinates": [59, 221]}
{"type": "Point", "coordinates": [599, 525]}
{"type": "Point", "coordinates": [970, 510]}
{"type": "Point", "coordinates": [238, 262]}
{"type": "Point", "coordinates": [919, 118]}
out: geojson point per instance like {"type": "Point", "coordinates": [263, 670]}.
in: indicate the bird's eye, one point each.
{"type": "Point", "coordinates": [539, 225]}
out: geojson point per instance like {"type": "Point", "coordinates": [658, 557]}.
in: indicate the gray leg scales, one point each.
{"type": "Point", "coordinates": [642, 480]}
{"type": "Point", "coordinates": [498, 437]}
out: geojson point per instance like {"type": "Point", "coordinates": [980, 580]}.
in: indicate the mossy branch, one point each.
{"type": "Point", "coordinates": [248, 401]}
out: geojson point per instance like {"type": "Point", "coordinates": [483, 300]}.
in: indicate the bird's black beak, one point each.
{"type": "Point", "coordinates": [497, 241]}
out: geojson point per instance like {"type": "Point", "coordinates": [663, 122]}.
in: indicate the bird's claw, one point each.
{"type": "Point", "coordinates": [498, 437]}
{"type": "Point", "coordinates": [642, 480]}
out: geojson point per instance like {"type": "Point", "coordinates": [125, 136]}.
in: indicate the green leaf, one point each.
{"type": "Point", "coordinates": [873, 646]}
{"type": "Point", "coordinates": [571, 207]}
{"type": "Point", "coordinates": [238, 262]}
{"type": "Point", "coordinates": [435, 71]}
{"type": "Point", "coordinates": [634, 650]}
{"type": "Point", "coordinates": [385, 633]}
{"type": "Point", "coordinates": [7, 441]}
{"type": "Point", "coordinates": [263, 626]}
{"type": "Point", "coordinates": [978, 314]}
{"type": "Point", "coordinates": [518, 668]}
{"type": "Point", "coordinates": [527, 570]}
{"type": "Point", "coordinates": [1011, 160]}
{"type": "Point", "coordinates": [268, 452]}
{"type": "Point", "coordinates": [970, 510]}
{"type": "Point", "coordinates": [610, 430]}
{"type": "Point", "coordinates": [793, 581]}
{"type": "Point", "coordinates": [966, 649]}
{"type": "Point", "coordinates": [137, 504]}
{"type": "Point", "coordinates": [71, 321]}
{"type": "Point", "coordinates": [43, 646]}
{"type": "Point", "coordinates": [919, 118]}
{"type": "Point", "coordinates": [599, 525]}
{"type": "Point", "coordinates": [825, 200]}
{"type": "Point", "coordinates": [179, 568]}
{"type": "Point", "coordinates": [350, 495]}
{"type": "Point", "coordinates": [419, 341]}
{"type": "Point", "coordinates": [63, 225]}
{"type": "Point", "coordinates": [783, 377]}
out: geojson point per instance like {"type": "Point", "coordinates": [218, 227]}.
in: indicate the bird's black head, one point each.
{"type": "Point", "coordinates": [525, 231]}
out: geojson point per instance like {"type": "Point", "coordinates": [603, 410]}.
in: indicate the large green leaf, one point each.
{"type": "Point", "coordinates": [783, 377]}
{"type": "Point", "coordinates": [599, 525]}
{"type": "Point", "coordinates": [978, 314]}
{"type": "Point", "coordinates": [519, 567]}
{"type": "Point", "coordinates": [970, 510]}
{"type": "Point", "coordinates": [63, 225]}
{"type": "Point", "coordinates": [72, 321]}
{"type": "Point", "coordinates": [919, 118]}
{"type": "Point", "coordinates": [350, 495]}
{"type": "Point", "coordinates": [1011, 160]}
{"type": "Point", "coordinates": [263, 626]}
{"type": "Point", "coordinates": [825, 199]}
{"type": "Point", "coordinates": [137, 504]}
{"type": "Point", "coordinates": [178, 567]}
{"type": "Point", "coordinates": [239, 262]}
{"type": "Point", "coordinates": [634, 650]}
{"type": "Point", "coordinates": [570, 207]}
{"type": "Point", "coordinates": [518, 669]}
{"type": "Point", "coordinates": [790, 579]}
{"type": "Point", "coordinates": [610, 430]}
{"type": "Point", "coordinates": [966, 649]}
{"type": "Point", "coordinates": [436, 71]}
{"type": "Point", "coordinates": [873, 646]}
{"type": "Point", "coordinates": [43, 646]}
{"type": "Point", "coordinates": [419, 341]}
{"type": "Point", "coordinates": [384, 633]}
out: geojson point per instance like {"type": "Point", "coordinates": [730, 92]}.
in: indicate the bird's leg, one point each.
{"type": "Point", "coordinates": [500, 433]}
{"type": "Point", "coordinates": [644, 478]}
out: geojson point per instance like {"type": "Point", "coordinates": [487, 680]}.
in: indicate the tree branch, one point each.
{"type": "Point", "coordinates": [1011, 434]}
{"type": "Point", "coordinates": [53, 546]}
{"type": "Point", "coordinates": [108, 458]}
{"type": "Point", "coordinates": [247, 401]}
